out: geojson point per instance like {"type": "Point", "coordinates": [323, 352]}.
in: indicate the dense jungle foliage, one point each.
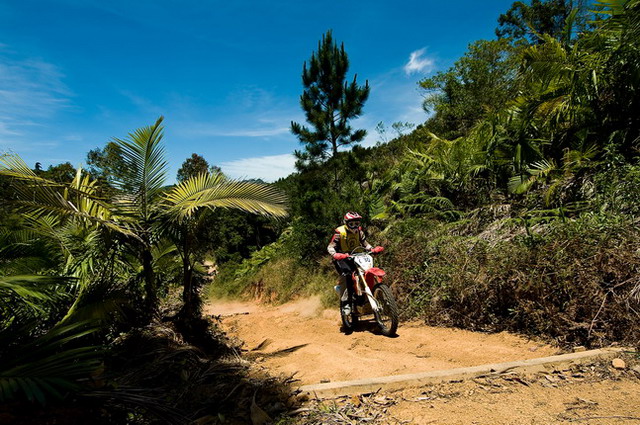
{"type": "Point", "coordinates": [514, 206]}
{"type": "Point", "coordinates": [100, 276]}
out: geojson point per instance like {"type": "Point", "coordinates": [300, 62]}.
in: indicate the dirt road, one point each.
{"type": "Point", "coordinates": [325, 354]}
{"type": "Point", "coordinates": [593, 394]}
{"type": "Point", "coordinates": [583, 394]}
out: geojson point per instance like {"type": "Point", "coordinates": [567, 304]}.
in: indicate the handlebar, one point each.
{"type": "Point", "coordinates": [365, 251]}
{"type": "Point", "coordinates": [361, 251]}
{"type": "Point", "coordinates": [357, 250]}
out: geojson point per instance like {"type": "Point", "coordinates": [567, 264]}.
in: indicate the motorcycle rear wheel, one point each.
{"type": "Point", "coordinates": [387, 316]}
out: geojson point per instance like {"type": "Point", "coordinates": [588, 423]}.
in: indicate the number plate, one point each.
{"type": "Point", "coordinates": [364, 261]}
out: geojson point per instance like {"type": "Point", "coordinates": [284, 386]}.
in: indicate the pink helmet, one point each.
{"type": "Point", "coordinates": [352, 215]}
{"type": "Point", "coordinates": [352, 220]}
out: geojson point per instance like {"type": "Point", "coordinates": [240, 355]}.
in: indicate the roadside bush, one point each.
{"type": "Point", "coordinates": [272, 275]}
{"type": "Point", "coordinates": [575, 281]}
{"type": "Point", "coordinates": [619, 190]}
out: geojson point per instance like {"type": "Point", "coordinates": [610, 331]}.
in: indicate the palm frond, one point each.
{"type": "Point", "coordinates": [214, 191]}
{"type": "Point", "coordinates": [46, 367]}
{"type": "Point", "coordinates": [41, 197]}
{"type": "Point", "coordinates": [98, 302]}
{"type": "Point", "coordinates": [152, 401]}
{"type": "Point", "coordinates": [520, 184]}
{"type": "Point", "coordinates": [146, 167]}
{"type": "Point", "coordinates": [30, 286]}
{"type": "Point", "coordinates": [575, 158]}
{"type": "Point", "coordinates": [22, 251]}
{"type": "Point", "coordinates": [542, 168]}
{"type": "Point", "coordinates": [32, 291]}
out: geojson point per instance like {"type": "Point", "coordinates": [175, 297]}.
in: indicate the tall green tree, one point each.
{"type": "Point", "coordinates": [618, 36]}
{"type": "Point", "coordinates": [480, 82]}
{"type": "Point", "coordinates": [195, 165]}
{"type": "Point", "coordinates": [106, 163]}
{"type": "Point", "coordinates": [527, 22]}
{"type": "Point", "coordinates": [63, 173]}
{"type": "Point", "coordinates": [329, 103]}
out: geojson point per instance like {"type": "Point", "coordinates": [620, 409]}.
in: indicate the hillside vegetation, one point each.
{"type": "Point", "coordinates": [514, 206]}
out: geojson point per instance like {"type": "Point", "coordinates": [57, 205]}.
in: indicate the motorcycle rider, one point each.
{"type": "Point", "coordinates": [345, 239]}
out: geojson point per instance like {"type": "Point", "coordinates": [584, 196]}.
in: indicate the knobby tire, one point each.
{"type": "Point", "coordinates": [388, 320]}
{"type": "Point", "coordinates": [349, 321]}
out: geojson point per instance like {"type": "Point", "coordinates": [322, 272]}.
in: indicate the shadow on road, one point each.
{"type": "Point", "coordinates": [366, 326]}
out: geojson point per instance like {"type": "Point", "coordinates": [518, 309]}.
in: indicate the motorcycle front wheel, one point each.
{"type": "Point", "coordinates": [349, 321]}
{"type": "Point", "coordinates": [387, 315]}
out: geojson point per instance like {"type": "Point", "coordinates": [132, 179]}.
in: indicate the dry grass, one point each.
{"type": "Point", "coordinates": [576, 282]}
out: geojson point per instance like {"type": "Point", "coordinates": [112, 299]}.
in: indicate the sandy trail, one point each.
{"type": "Point", "coordinates": [330, 355]}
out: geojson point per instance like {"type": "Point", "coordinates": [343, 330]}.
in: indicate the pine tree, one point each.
{"type": "Point", "coordinates": [329, 102]}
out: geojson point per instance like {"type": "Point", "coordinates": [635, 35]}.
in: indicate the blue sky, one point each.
{"type": "Point", "coordinates": [225, 75]}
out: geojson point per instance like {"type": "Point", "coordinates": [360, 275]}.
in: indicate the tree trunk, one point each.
{"type": "Point", "coordinates": [334, 145]}
{"type": "Point", "coordinates": [189, 294]}
{"type": "Point", "coordinates": [150, 287]}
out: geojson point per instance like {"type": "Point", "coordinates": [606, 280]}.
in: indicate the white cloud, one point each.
{"type": "Point", "coordinates": [417, 63]}
{"type": "Point", "coordinates": [259, 132]}
{"type": "Point", "coordinates": [394, 98]}
{"type": "Point", "coordinates": [271, 119]}
{"type": "Point", "coordinates": [31, 90]}
{"type": "Point", "coordinates": [6, 131]}
{"type": "Point", "coordinates": [254, 132]}
{"type": "Point", "coordinates": [141, 102]}
{"type": "Point", "coordinates": [31, 87]}
{"type": "Point", "coordinates": [268, 168]}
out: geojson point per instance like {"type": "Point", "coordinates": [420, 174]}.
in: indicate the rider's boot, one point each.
{"type": "Point", "coordinates": [345, 299]}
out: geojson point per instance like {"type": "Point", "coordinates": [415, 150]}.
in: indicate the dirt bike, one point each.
{"type": "Point", "coordinates": [370, 296]}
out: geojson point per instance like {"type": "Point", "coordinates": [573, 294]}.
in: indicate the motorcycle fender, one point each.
{"type": "Point", "coordinates": [373, 276]}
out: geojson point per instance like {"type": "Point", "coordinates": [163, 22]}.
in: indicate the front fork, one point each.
{"type": "Point", "coordinates": [362, 283]}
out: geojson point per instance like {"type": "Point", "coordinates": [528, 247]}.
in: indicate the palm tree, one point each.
{"type": "Point", "coordinates": [37, 361]}
{"type": "Point", "coordinates": [78, 224]}
{"type": "Point", "coordinates": [139, 188]}
{"type": "Point", "coordinates": [142, 210]}
{"type": "Point", "coordinates": [158, 212]}
{"type": "Point", "coordinates": [185, 203]}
